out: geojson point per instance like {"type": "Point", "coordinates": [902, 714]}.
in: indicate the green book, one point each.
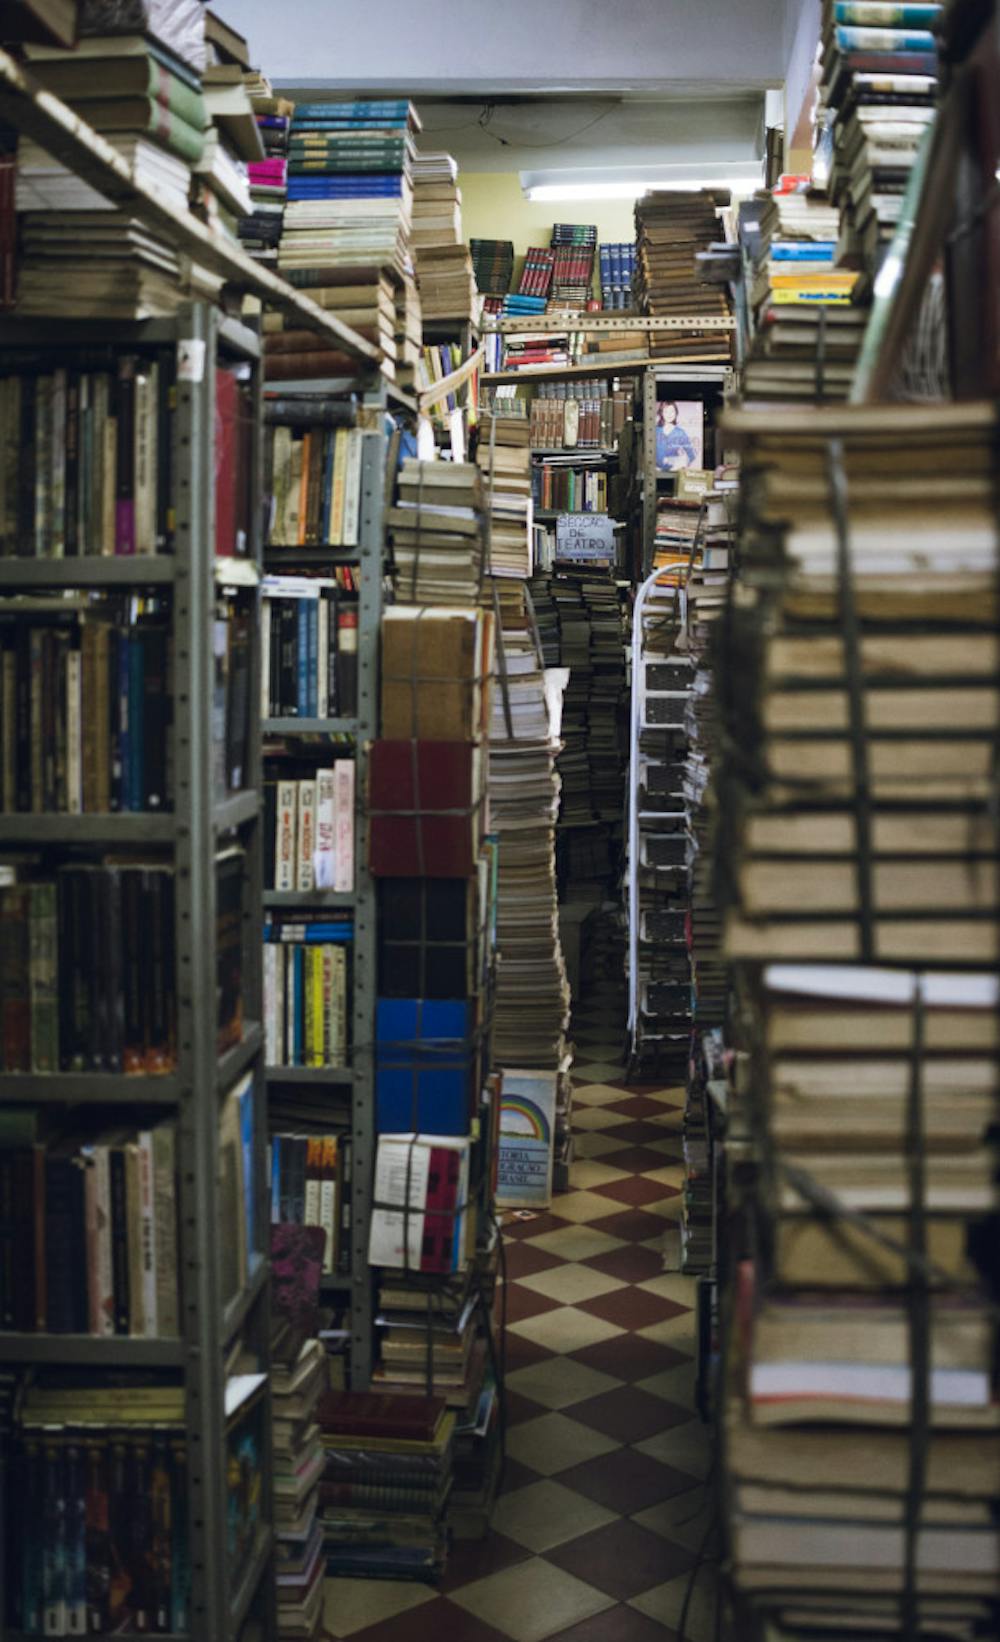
{"type": "Point", "coordinates": [89, 84]}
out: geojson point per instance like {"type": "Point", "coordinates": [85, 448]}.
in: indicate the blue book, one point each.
{"type": "Point", "coordinates": [890, 40]}
{"type": "Point", "coordinates": [424, 1066]}
{"type": "Point", "coordinates": [302, 658]}
{"type": "Point", "coordinates": [378, 186]}
{"type": "Point", "coordinates": [311, 935]}
{"type": "Point", "coordinates": [800, 250]}
{"type": "Point", "coordinates": [275, 1180]}
{"type": "Point", "coordinates": [245, 1100]}
{"type": "Point", "coordinates": [317, 122]}
{"type": "Point", "coordinates": [886, 13]}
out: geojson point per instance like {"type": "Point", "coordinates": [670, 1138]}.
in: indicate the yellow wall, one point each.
{"type": "Point", "coordinates": [493, 207]}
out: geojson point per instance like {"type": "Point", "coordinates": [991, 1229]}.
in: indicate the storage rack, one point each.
{"type": "Point", "coordinates": [356, 1079]}
{"type": "Point", "coordinates": [706, 381]}
{"type": "Point", "coordinates": [192, 832]}
{"type": "Point", "coordinates": [219, 1605]}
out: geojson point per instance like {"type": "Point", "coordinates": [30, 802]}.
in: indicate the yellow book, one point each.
{"type": "Point", "coordinates": [314, 983]}
{"type": "Point", "coordinates": [338, 493]}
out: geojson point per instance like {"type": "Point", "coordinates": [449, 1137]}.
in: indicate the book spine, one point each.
{"type": "Point", "coordinates": [133, 1213]}
{"type": "Point", "coordinates": [119, 1239]}
{"type": "Point", "coordinates": [148, 1253]}
{"type": "Point", "coordinates": [165, 1230]}
{"type": "Point", "coordinates": [306, 842]}
{"type": "Point", "coordinates": [343, 810]}
{"type": "Point", "coordinates": [125, 459]}
{"type": "Point", "coordinates": [286, 837]}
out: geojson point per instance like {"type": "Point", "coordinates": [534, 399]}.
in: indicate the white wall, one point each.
{"type": "Point", "coordinates": [472, 45]}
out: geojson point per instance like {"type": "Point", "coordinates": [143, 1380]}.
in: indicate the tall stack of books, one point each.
{"type": "Point", "coordinates": [409, 330]}
{"type": "Point", "coordinates": [438, 531]}
{"type": "Point", "coordinates": [441, 257]}
{"type": "Point", "coordinates": [532, 998]}
{"type": "Point", "coordinates": [299, 1465]}
{"type": "Point", "coordinates": [806, 331]}
{"type": "Point", "coordinates": [504, 459]}
{"type": "Point", "coordinates": [386, 1483]}
{"type": "Point", "coordinates": [493, 265]}
{"type": "Point", "coordinates": [142, 91]}
{"type": "Point", "coordinates": [220, 192]}
{"type": "Point", "coordinates": [350, 188]}
{"type": "Point", "coordinates": [860, 686]}
{"type": "Point", "coordinates": [617, 270]}
{"type": "Point", "coordinates": [670, 230]}
{"type": "Point", "coordinates": [878, 91]}
{"type": "Point", "coordinates": [574, 246]}
{"type": "Point", "coordinates": [261, 230]}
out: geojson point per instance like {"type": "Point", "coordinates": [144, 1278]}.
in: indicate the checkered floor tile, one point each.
{"type": "Point", "coordinates": [603, 1509]}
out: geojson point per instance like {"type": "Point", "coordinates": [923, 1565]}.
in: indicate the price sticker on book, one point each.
{"type": "Point", "coordinates": [585, 538]}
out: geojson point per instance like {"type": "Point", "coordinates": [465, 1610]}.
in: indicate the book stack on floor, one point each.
{"type": "Point", "coordinates": [574, 246]}
{"type": "Point", "coordinates": [532, 998]}
{"type": "Point", "coordinates": [806, 330]}
{"type": "Point", "coordinates": [670, 230]}
{"type": "Point", "coordinates": [385, 1486]}
{"type": "Point", "coordinates": [861, 689]}
{"type": "Point", "coordinates": [440, 255]}
{"type": "Point", "coordinates": [493, 265]}
{"type": "Point", "coordinates": [142, 91]}
{"type": "Point", "coordinates": [617, 270]}
{"type": "Point", "coordinates": [437, 527]}
{"type": "Point", "coordinates": [260, 232]}
{"type": "Point", "coordinates": [504, 458]}
{"type": "Point", "coordinates": [878, 91]}
{"type": "Point", "coordinates": [298, 1381]}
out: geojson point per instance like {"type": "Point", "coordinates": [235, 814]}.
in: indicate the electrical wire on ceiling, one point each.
{"type": "Point", "coordinates": [485, 118]}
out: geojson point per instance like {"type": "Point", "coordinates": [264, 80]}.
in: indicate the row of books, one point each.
{"type": "Point", "coordinates": [578, 420]}
{"type": "Point", "coordinates": [313, 475]}
{"type": "Point", "coordinates": [437, 529]}
{"type": "Point", "coordinates": [309, 648]}
{"type": "Point", "coordinates": [309, 827]}
{"type": "Point", "coordinates": [307, 989]}
{"type": "Point", "coordinates": [569, 489]}
{"type": "Point", "coordinates": [88, 1238]}
{"type": "Point", "coordinates": [616, 265]}
{"type": "Point", "coordinates": [493, 265]}
{"type": "Point", "coordinates": [306, 1172]}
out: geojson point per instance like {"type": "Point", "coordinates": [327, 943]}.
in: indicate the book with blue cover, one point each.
{"type": "Point", "coordinates": [424, 1058]}
{"type": "Point", "coordinates": [333, 188]}
{"type": "Point", "coordinates": [887, 13]}
{"type": "Point", "coordinates": [891, 40]}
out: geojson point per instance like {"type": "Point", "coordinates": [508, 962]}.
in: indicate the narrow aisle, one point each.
{"type": "Point", "coordinates": [604, 1502]}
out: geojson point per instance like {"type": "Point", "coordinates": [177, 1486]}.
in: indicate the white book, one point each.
{"type": "Point", "coordinates": [325, 854]}
{"type": "Point", "coordinates": [328, 1208]}
{"type": "Point", "coordinates": [306, 840]}
{"type": "Point", "coordinates": [74, 748]}
{"type": "Point", "coordinates": [101, 1300]}
{"type": "Point", "coordinates": [285, 835]}
{"type": "Point", "coordinates": [343, 860]}
{"type": "Point", "coordinates": [352, 487]}
{"type": "Point", "coordinates": [272, 1017]}
{"type": "Point", "coordinates": [147, 1234]}
{"type": "Point", "coordinates": [146, 384]}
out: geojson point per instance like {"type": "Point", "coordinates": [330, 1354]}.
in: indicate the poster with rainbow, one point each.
{"type": "Point", "coordinates": [527, 1128]}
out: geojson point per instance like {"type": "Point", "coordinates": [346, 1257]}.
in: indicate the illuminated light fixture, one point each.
{"type": "Point", "coordinates": [739, 176]}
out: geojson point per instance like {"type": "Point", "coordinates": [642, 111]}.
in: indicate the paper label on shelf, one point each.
{"type": "Point", "coordinates": [191, 360]}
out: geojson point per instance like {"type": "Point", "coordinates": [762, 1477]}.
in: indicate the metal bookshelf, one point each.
{"type": "Point", "coordinates": [192, 833]}
{"type": "Point", "coordinates": [705, 380]}
{"type": "Point", "coordinates": [354, 1084]}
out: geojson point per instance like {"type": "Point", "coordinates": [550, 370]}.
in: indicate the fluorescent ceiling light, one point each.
{"type": "Point", "coordinates": [634, 189]}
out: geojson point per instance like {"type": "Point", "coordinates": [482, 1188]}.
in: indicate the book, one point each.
{"type": "Point", "coordinates": [425, 808]}
{"type": "Point", "coordinates": [419, 1219]}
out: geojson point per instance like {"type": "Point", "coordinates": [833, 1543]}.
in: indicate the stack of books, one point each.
{"type": "Point", "coordinates": [221, 191]}
{"type": "Point", "coordinates": [866, 850]}
{"type": "Point", "coordinates": [493, 265]}
{"type": "Point", "coordinates": [532, 997]}
{"type": "Point", "coordinates": [574, 246]}
{"type": "Point", "coordinates": [146, 99]}
{"type": "Point", "coordinates": [409, 330]}
{"type": "Point", "coordinates": [440, 255]}
{"type": "Point", "coordinates": [536, 275]}
{"type": "Point", "coordinates": [386, 1483]}
{"type": "Point", "coordinates": [297, 1386]}
{"type": "Point", "coordinates": [544, 348]}
{"type": "Point", "coordinates": [617, 269]}
{"type": "Point", "coordinates": [438, 531]}
{"type": "Point", "coordinates": [671, 228]}
{"type": "Point", "coordinates": [350, 187]}
{"type": "Point", "coordinates": [504, 458]}
{"type": "Point", "coordinates": [260, 231]}
{"type": "Point", "coordinates": [878, 91]}
{"type": "Point", "coordinates": [429, 1339]}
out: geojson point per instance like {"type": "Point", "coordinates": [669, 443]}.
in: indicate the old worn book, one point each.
{"type": "Point", "coordinates": [436, 667]}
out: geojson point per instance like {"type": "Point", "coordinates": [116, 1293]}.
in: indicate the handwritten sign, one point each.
{"type": "Point", "coordinates": [585, 538]}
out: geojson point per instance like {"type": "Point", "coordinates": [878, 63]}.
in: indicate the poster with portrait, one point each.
{"type": "Point", "coordinates": [680, 435]}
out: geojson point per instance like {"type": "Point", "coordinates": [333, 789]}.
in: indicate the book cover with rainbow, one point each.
{"type": "Point", "coordinates": [527, 1127]}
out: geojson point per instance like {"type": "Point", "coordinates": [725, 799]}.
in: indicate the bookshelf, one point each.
{"type": "Point", "coordinates": [349, 1088]}
{"type": "Point", "coordinates": [712, 383]}
{"type": "Point", "coordinates": [190, 835]}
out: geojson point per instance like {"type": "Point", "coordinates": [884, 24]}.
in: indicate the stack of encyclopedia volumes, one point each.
{"type": "Point", "coordinates": [574, 245]}
{"type": "Point", "coordinates": [616, 265]}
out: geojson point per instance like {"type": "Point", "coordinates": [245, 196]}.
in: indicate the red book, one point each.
{"type": "Point", "coordinates": [425, 804]}
{"type": "Point", "coordinates": [380, 1414]}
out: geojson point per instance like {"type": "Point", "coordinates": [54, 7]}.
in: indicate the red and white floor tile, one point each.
{"type": "Point", "coordinates": [604, 1505]}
